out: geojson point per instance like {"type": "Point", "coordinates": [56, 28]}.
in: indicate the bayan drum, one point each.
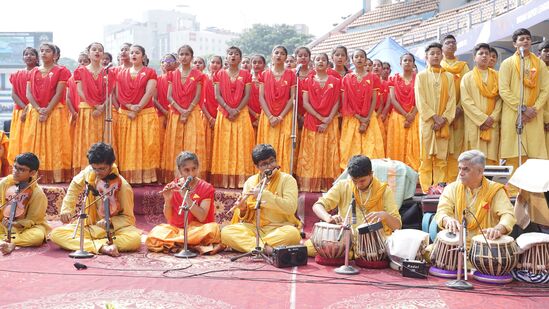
{"type": "Point", "coordinates": [330, 250]}
{"type": "Point", "coordinates": [370, 249]}
{"type": "Point", "coordinates": [444, 256]}
{"type": "Point", "coordinates": [493, 259]}
{"type": "Point", "coordinates": [533, 264]}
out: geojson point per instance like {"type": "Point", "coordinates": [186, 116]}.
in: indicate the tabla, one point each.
{"type": "Point", "coordinates": [533, 264]}
{"type": "Point", "coordinates": [330, 250]}
{"type": "Point", "coordinates": [493, 259]}
{"type": "Point", "coordinates": [371, 248]}
{"type": "Point", "coordinates": [444, 256]}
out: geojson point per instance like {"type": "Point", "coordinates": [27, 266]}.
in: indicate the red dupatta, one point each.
{"type": "Point", "coordinates": [277, 92]}
{"type": "Point", "coordinates": [73, 93]}
{"type": "Point", "coordinates": [232, 91]}
{"type": "Point", "coordinates": [184, 93]}
{"type": "Point", "coordinates": [18, 81]}
{"type": "Point", "coordinates": [131, 90]}
{"type": "Point", "coordinates": [43, 88]}
{"type": "Point", "coordinates": [162, 83]}
{"type": "Point", "coordinates": [210, 103]}
{"type": "Point", "coordinates": [201, 191]}
{"type": "Point", "coordinates": [404, 94]}
{"type": "Point", "coordinates": [94, 88]}
{"type": "Point", "coordinates": [358, 95]}
{"type": "Point", "coordinates": [322, 99]}
{"type": "Point", "coordinates": [253, 103]}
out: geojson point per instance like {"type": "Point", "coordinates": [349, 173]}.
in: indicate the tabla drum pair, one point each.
{"type": "Point", "coordinates": [533, 264]}
{"type": "Point", "coordinates": [371, 246]}
{"type": "Point", "coordinates": [493, 259]}
{"type": "Point", "coordinates": [444, 256]}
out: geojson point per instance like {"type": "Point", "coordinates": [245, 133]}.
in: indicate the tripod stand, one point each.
{"type": "Point", "coordinates": [459, 284]}
{"type": "Point", "coordinates": [347, 269]}
{"type": "Point", "coordinates": [257, 252]}
{"type": "Point", "coordinates": [185, 252]}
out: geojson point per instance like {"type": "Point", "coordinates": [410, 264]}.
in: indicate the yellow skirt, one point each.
{"type": "Point", "coordinates": [232, 150]}
{"type": "Point", "coordinates": [167, 238]}
{"type": "Point", "coordinates": [16, 134]}
{"type": "Point", "coordinates": [403, 143]}
{"type": "Point", "coordinates": [138, 142]}
{"type": "Point", "coordinates": [317, 166]}
{"type": "Point", "coordinates": [352, 142]}
{"type": "Point", "coordinates": [279, 137]}
{"type": "Point", "coordinates": [48, 140]}
{"type": "Point", "coordinates": [206, 162]}
{"type": "Point", "coordinates": [382, 128]}
{"type": "Point", "coordinates": [178, 137]}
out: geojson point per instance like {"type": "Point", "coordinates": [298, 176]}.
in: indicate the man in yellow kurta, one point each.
{"type": "Point", "coordinates": [100, 171]}
{"type": "Point", "coordinates": [278, 224]}
{"type": "Point", "coordinates": [479, 197]}
{"type": "Point", "coordinates": [29, 228]}
{"type": "Point", "coordinates": [458, 68]}
{"type": "Point", "coordinates": [482, 106]}
{"type": "Point", "coordinates": [436, 103]}
{"type": "Point", "coordinates": [544, 56]}
{"type": "Point", "coordinates": [374, 200]}
{"type": "Point", "coordinates": [536, 91]}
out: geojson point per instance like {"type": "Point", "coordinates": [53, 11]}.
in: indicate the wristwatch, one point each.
{"type": "Point", "coordinates": [523, 108]}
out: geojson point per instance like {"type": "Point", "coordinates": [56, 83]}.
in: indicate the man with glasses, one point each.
{"type": "Point", "coordinates": [30, 227]}
{"type": "Point", "coordinates": [101, 171]}
{"type": "Point", "coordinates": [278, 223]}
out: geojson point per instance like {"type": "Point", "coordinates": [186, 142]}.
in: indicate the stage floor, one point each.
{"type": "Point", "coordinates": [45, 277]}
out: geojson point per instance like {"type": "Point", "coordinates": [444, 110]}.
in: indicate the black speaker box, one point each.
{"type": "Point", "coordinates": [414, 269]}
{"type": "Point", "coordinates": [288, 256]}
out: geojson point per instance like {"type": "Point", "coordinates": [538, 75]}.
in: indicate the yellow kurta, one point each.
{"type": "Point", "coordinates": [545, 119]}
{"type": "Point", "coordinates": [16, 134]}
{"type": "Point", "coordinates": [403, 143]}
{"type": "Point", "coordinates": [500, 211]}
{"type": "Point", "coordinates": [340, 196]}
{"type": "Point", "coordinates": [533, 140]}
{"type": "Point", "coordinates": [34, 226]}
{"type": "Point", "coordinates": [279, 137]}
{"type": "Point", "coordinates": [352, 142]}
{"type": "Point", "coordinates": [232, 150]}
{"type": "Point", "coordinates": [277, 211]}
{"type": "Point", "coordinates": [434, 150]}
{"type": "Point", "coordinates": [126, 236]}
{"type": "Point", "coordinates": [474, 107]}
{"type": "Point", "coordinates": [179, 136]}
{"type": "Point", "coordinates": [4, 146]}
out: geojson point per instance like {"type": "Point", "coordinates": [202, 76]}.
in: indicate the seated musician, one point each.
{"type": "Point", "coordinates": [100, 174]}
{"type": "Point", "coordinates": [29, 227]}
{"type": "Point", "coordinates": [485, 202]}
{"type": "Point", "coordinates": [202, 231]}
{"type": "Point", "coordinates": [374, 199]}
{"type": "Point", "coordinates": [278, 223]}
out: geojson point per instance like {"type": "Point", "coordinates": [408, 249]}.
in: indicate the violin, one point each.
{"type": "Point", "coordinates": [15, 208]}
{"type": "Point", "coordinates": [110, 207]}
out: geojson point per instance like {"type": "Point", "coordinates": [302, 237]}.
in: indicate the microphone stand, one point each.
{"type": "Point", "coordinates": [520, 125]}
{"type": "Point", "coordinates": [293, 135]}
{"type": "Point", "coordinates": [107, 133]}
{"type": "Point", "coordinates": [185, 252]}
{"type": "Point", "coordinates": [347, 269]}
{"type": "Point", "coordinates": [459, 284]}
{"type": "Point", "coordinates": [81, 253]}
{"type": "Point", "coordinates": [258, 251]}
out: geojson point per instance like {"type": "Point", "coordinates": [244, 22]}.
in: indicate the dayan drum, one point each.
{"type": "Point", "coordinates": [493, 259]}
{"type": "Point", "coordinates": [444, 256]}
{"type": "Point", "coordinates": [371, 247]}
{"type": "Point", "coordinates": [533, 264]}
{"type": "Point", "coordinates": [330, 250]}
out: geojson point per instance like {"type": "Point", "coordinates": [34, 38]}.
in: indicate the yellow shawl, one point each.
{"type": "Point", "coordinates": [443, 101]}
{"type": "Point", "coordinates": [375, 200]}
{"type": "Point", "coordinates": [482, 203]}
{"type": "Point", "coordinates": [490, 92]}
{"type": "Point", "coordinates": [530, 78]}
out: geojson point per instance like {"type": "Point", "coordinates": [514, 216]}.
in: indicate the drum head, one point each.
{"type": "Point", "coordinates": [448, 237]}
{"type": "Point", "coordinates": [504, 239]}
{"type": "Point", "coordinates": [368, 228]}
{"type": "Point", "coordinates": [327, 225]}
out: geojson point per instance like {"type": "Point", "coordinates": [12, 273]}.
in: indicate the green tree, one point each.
{"type": "Point", "coordinates": [260, 39]}
{"type": "Point", "coordinates": [69, 63]}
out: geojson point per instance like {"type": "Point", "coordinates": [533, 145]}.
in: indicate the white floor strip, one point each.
{"type": "Point", "coordinates": [293, 288]}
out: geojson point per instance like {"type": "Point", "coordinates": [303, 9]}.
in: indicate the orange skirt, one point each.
{"type": "Point", "coordinates": [279, 137]}
{"type": "Point", "coordinates": [16, 134]}
{"type": "Point", "coordinates": [167, 238]}
{"type": "Point", "coordinates": [232, 150]}
{"type": "Point", "coordinates": [48, 140]}
{"type": "Point", "coordinates": [206, 162]}
{"type": "Point", "coordinates": [317, 166]}
{"type": "Point", "coordinates": [178, 137]}
{"type": "Point", "coordinates": [352, 142]}
{"type": "Point", "coordinates": [403, 143]}
{"type": "Point", "coordinates": [139, 149]}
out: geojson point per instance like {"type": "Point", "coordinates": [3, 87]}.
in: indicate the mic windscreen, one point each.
{"type": "Point", "coordinates": [298, 69]}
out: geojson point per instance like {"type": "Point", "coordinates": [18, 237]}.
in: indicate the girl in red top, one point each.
{"type": "Point", "coordinates": [199, 64]}
{"type": "Point", "coordinates": [339, 58]}
{"type": "Point", "coordinates": [47, 128]}
{"type": "Point", "coordinates": [382, 96]}
{"type": "Point", "coordinates": [168, 64]}
{"type": "Point", "coordinates": [254, 107]}
{"type": "Point", "coordinates": [233, 133]}
{"type": "Point", "coordinates": [138, 133]}
{"type": "Point", "coordinates": [185, 128]}
{"type": "Point", "coordinates": [18, 81]}
{"type": "Point", "coordinates": [359, 130]}
{"type": "Point", "coordinates": [319, 149]}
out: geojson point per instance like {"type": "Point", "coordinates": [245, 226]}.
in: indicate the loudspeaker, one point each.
{"type": "Point", "coordinates": [288, 256]}
{"type": "Point", "coordinates": [414, 269]}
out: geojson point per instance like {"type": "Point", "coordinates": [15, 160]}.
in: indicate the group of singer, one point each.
{"type": "Point", "coordinates": [435, 115]}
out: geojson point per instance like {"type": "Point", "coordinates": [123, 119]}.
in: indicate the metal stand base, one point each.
{"type": "Point", "coordinates": [346, 270]}
{"type": "Point", "coordinates": [256, 253]}
{"type": "Point", "coordinates": [185, 254]}
{"type": "Point", "coordinates": [81, 254]}
{"type": "Point", "coordinates": [459, 285]}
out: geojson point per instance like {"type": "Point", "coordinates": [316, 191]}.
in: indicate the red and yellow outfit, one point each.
{"type": "Point", "coordinates": [162, 99]}
{"type": "Point", "coordinates": [277, 94]}
{"type": "Point", "coordinates": [319, 152]}
{"type": "Point", "coordinates": [138, 139]}
{"type": "Point", "coordinates": [48, 139]}
{"type": "Point", "coordinates": [210, 104]}
{"type": "Point", "coordinates": [18, 81]}
{"type": "Point", "coordinates": [233, 139]}
{"type": "Point", "coordinates": [169, 237]}
{"type": "Point", "coordinates": [253, 103]}
{"type": "Point", "coordinates": [403, 143]}
{"type": "Point", "coordinates": [357, 100]}
{"type": "Point", "coordinates": [179, 136]}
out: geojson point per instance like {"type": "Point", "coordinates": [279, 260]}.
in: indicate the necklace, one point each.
{"type": "Point", "coordinates": [233, 75]}
{"type": "Point", "coordinates": [437, 79]}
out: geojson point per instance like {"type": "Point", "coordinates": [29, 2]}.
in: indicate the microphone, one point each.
{"type": "Point", "coordinates": [298, 68]}
{"type": "Point", "coordinates": [521, 51]}
{"type": "Point", "coordinates": [108, 67]}
{"type": "Point", "coordinates": [187, 182]}
{"type": "Point", "coordinates": [353, 209]}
